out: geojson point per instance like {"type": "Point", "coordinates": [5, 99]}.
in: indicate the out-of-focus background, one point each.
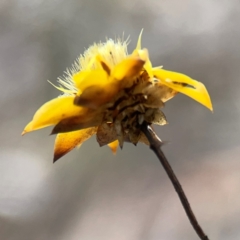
{"type": "Point", "coordinates": [91, 194]}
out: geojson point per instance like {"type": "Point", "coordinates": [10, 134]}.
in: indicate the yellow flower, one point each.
{"type": "Point", "coordinates": [110, 93]}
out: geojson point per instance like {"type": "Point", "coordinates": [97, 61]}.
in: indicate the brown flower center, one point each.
{"type": "Point", "coordinates": [128, 110]}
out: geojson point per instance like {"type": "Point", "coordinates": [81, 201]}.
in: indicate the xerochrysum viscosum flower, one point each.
{"type": "Point", "coordinates": [109, 92]}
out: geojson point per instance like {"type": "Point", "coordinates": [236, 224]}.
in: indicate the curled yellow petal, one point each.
{"type": "Point", "coordinates": [65, 142]}
{"type": "Point", "coordinates": [113, 146]}
{"type": "Point", "coordinates": [95, 88]}
{"type": "Point", "coordinates": [85, 79]}
{"type": "Point", "coordinates": [128, 68]}
{"type": "Point", "coordinates": [97, 95]}
{"type": "Point", "coordinates": [52, 112]}
{"type": "Point", "coordinates": [184, 84]}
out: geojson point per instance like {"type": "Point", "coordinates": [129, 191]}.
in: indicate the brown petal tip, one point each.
{"type": "Point", "coordinates": [23, 132]}
{"type": "Point", "coordinates": [57, 156]}
{"type": "Point", "coordinates": [53, 132]}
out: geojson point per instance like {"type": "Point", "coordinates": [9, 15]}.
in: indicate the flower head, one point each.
{"type": "Point", "coordinates": [110, 93]}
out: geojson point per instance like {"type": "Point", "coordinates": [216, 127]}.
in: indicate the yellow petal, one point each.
{"type": "Point", "coordinates": [54, 111]}
{"type": "Point", "coordinates": [85, 79]}
{"type": "Point", "coordinates": [97, 95]}
{"type": "Point", "coordinates": [113, 146]}
{"type": "Point", "coordinates": [90, 119]}
{"type": "Point", "coordinates": [65, 142]}
{"type": "Point", "coordinates": [196, 90]}
{"type": "Point", "coordinates": [128, 68]}
{"type": "Point", "coordinates": [143, 54]}
{"type": "Point", "coordinates": [96, 88]}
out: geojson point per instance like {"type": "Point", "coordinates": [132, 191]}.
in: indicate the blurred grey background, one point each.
{"type": "Point", "coordinates": [91, 194]}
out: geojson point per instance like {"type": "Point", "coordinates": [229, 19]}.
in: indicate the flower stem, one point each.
{"type": "Point", "coordinates": [155, 145]}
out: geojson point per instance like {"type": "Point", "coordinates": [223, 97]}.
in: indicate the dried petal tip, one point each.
{"type": "Point", "coordinates": [65, 142]}
{"type": "Point", "coordinates": [23, 132]}
{"type": "Point", "coordinates": [57, 156]}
